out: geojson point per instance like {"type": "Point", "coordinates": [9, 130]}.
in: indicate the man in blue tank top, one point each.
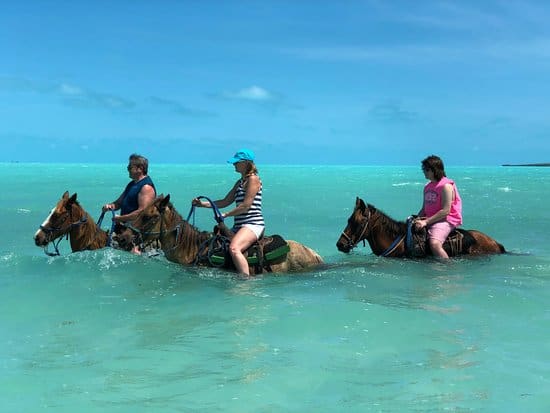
{"type": "Point", "coordinates": [139, 192]}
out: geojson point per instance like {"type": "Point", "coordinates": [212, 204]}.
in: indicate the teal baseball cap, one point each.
{"type": "Point", "coordinates": [242, 155]}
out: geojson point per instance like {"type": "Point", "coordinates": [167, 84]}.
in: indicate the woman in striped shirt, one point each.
{"type": "Point", "coordinates": [247, 194]}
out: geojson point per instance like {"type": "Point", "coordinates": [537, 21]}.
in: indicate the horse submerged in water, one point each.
{"type": "Point", "coordinates": [70, 219]}
{"type": "Point", "coordinates": [184, 244]}
{"type": "Point", "coordinates": [390, 238]}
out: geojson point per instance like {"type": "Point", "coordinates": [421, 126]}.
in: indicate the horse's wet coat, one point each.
{"type": "Point", "coordinates": [382, 232]}
{"type": "Point", "coordinates": [69, 218]}
{"type": "Point", "coordinates": [181, 241]}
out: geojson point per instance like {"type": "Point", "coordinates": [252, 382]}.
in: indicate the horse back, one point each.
{"type": "Point", "coordinates": [459, 242]}
{"type": "Point", "coordinates": [476, 242]}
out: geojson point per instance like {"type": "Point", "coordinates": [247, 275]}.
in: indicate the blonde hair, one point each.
{"type": "Point", "coordinates": [251, 168]}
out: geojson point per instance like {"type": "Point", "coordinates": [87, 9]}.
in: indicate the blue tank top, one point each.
{"type": "Point", "coordinates": [254, 213]}
{"type": "Point", "coordinates": [130, 198]}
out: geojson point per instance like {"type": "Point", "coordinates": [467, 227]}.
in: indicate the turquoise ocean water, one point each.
{"type": "Point", "coordinates": [108, 331]}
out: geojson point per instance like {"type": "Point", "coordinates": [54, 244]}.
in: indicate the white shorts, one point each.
{"type": "Point", "coordinates": [258, 230]}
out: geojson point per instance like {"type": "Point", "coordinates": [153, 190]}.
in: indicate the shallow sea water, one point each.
{"type": "Point", "coordinates": [110, 331]}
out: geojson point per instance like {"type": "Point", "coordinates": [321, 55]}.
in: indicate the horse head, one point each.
{"type": "Point", "coordinates": [59, 221]}
{"type": "Point", "coordinates": [357, 228]}
{"type": "Point", "coordinates": [149, 225]}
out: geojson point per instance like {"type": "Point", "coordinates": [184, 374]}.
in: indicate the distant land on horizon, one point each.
{"type": "Point", "coordinates": [526, 164]}
{"type": "Point", "coordinates": [543, 164]}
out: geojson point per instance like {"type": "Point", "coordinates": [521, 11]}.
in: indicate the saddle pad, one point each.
{"type": "Point", "coordinates": [274, 247]}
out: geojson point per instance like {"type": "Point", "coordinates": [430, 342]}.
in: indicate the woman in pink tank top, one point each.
{"type": "Point", "coordinates": [442, 207]}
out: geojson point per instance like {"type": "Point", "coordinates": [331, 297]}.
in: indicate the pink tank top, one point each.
{"type": "Point", "coordinates": [432, 201]}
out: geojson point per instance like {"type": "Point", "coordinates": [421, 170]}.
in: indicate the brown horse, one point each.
{"type": "Point", "coordinates": [390, 238]}
{"type": "Point", "coordinates": [70, 219]}
{"type": "Point", "coordinates": [184, 244]}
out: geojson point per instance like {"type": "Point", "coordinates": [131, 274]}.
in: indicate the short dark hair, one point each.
{"type": "Point", "coordinates": [435, 164]}
{"type": "Point", "coordinates": [139, 161]}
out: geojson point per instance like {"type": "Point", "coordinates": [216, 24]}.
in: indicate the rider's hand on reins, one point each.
{"type": "Point", "coordinates": [108, 207]}
{"type": "Point", "coordinates": [420, 223]}
{"type": "Point", "coordinates": [197, 203]}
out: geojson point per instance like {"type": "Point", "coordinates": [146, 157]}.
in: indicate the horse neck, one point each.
{"type": "Point", "coordinates": [383, 232]}
{"type": "Point", "coordinates": [79, 233]}
{"type": "Point", "coordinates": [179, 239]}
{"type": "Point", "coordinates": [85, 235]}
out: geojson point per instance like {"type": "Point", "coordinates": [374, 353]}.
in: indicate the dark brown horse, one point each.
{"type": "Point", "coordinates": [390, 238]}
{"type": "Point", "coordinates": [70, 219]}
{"type": "Point", "coordinates": [184, 244]}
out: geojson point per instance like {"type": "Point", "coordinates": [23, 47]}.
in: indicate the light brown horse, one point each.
{"type": "Point", "coordinates": [390, 238]}
{"type": "Point", "coordinates": [70, 219]}
{"type": "Point", "coordinates": [183, 243]}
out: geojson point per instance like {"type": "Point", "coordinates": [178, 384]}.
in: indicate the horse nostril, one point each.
{"type": "Point", "coordinates": [344, 246]}
{"type": "Point", "coordinates": [39, 240]}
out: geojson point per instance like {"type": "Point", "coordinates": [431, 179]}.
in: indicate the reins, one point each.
{"type": "Point", "coordinates": [111, 230]}
{"type": "Point", "coordinates": [360, 238]}
{"type": "Point", "coordinates": [394, 245]}
{"type": "Point", "coordinates": [217, 213]}
{"type": "Point", "coordinates": [55, 244]}
{"type": "Point", "coordinates": [216, 243]}
{"type": "Point", "coordinates": [179, 230]}
{"type": "Point", "coordinates": [49, 230]}
{"type": "Point", "coordinates": [397, 242]}
{"type": "Point", "coordinates": [211, 246]}
{"type": "Point", "coordinates": [72, 225]}
{"type": "Point", "coordinates": [143, 244]}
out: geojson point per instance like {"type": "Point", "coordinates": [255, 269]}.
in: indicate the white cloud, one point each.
{"type": "Point", "coordinates": [255, 93]}
{"type": "Point", "coordinates": [67, 89]}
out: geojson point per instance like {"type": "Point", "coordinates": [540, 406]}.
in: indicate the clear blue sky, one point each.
{"type": "Point", "coordinates": [339, 82]}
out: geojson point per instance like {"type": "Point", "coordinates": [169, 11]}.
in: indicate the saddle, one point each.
{"type": "Point", "coordinates": [261, 255]}
{"type": "Point", "coordinates": [417, 241]}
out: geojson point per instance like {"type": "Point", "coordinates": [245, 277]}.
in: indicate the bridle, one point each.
{"type": "Point", "coordinates": [387, 252]}
{"type": "Point", "coordinates": [49, 231]}
{"type": "Point", "coordinates": [351, 243]}
{"type": "Point", "coordinates": [146, 230]}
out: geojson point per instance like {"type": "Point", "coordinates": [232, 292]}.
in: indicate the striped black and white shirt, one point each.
{"type": "Point", "coordinates": [254, 214]}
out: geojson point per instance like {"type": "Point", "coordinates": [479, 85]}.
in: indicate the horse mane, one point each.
{"type": "Point", "coordinates": [188, 237]}
{"type": "Point", "coordinates": [391, 226]}
{"type": "Point", "coordinates": [91, 235]}
{"type": "Point", "coordinates": [187, 229]}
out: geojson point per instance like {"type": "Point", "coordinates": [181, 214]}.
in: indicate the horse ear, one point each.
{"type": "Point", "coordinates": [164, 201]}
{"type": "Point", "coordinates": [361, 204]}
{"type": "Point", "coordinates": [65, 195]}
{"type": "Point", "coordinates": [72, 199]}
